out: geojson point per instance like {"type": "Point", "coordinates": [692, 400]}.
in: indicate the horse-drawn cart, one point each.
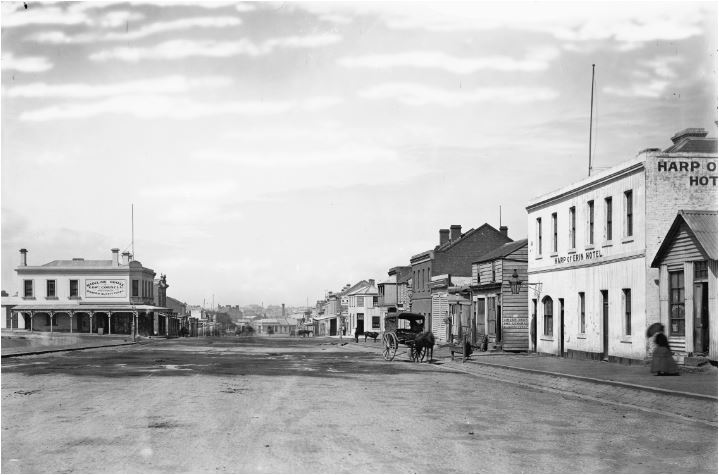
{"type": "Point", "coordinates": [403, 328]}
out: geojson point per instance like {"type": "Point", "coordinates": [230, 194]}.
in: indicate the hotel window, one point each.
{"type": "Point", "coordinates": [582, 315]}
{"type": "Point", "coordinates": [629, 215]}
{"type": "Point", "coordinates": [554, 232]}
{"type": "Point", "coordinates": [627, 311]}
{"type": "Point", "coordinates": [608, 208]}
{"type": "Point", "coordinates": [676, 303]}
{"type": "Point", "coordinates": [27, 289]}
{"type": "Point", "coordinates": [572, 227]}
{"type": "Point", "coordinates": [50, 289]}
{"type": "Point", "coordinates": [73, 288]}
{"type": "Point", "coordinates": [548, 316]}
{"type": "Point", "coordinates": [539, 237]}
{"type": "Point", "coordinates": [590, 212]}
{"type": "Point", "coordinates": [135, 288]}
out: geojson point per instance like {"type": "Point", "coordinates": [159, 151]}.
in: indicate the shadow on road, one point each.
{"type": "Point", "coordinates": [221, 356]}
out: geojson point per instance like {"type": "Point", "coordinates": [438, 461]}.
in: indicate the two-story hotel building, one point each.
{"type": "Point", "coordinates": [88, 296]}
{"type": "Point", "coordinates": [591, 246]}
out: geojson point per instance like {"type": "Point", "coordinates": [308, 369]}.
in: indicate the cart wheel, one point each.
{"type": "Point", "coordinates": [390, 346]}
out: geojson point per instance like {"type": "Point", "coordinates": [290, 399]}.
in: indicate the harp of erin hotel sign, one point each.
{"type": "Point", "coordinates": [106, 288]}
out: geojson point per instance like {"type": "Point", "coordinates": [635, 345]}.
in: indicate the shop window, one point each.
{"type": "Point", "coordinates": [627, 297]}
{"type": "Point", "coordinates": [629, 213]}
{"type": "Point", "coordinates": [590, 213]}
{"type": "Point", "coordinates": [50, 288]}
{"type": "Point", "coordinates": [539, 237]}
{"type": "Point", "coordinates": [608, 214]}
{"type": "Point", "coordinates": [375, 323]}
{"type": "Point", "coordinates": [572, 227]}
{"type": "Point", "coordinates": [554, 232]}
{"type": "Point", "coordinates": [676, 303]}
{"type": "Point", "coordinates": [27, 289]}
{"type": "Point", "coordinates": [548, 316]}
{"type": "Point", "coordinates": [582, 315]}
{"type": "Point", "coordinates": [700, 270]}
{"type": "Point", "coordinates": [74, 288]}
{"type": "Point", "coordinates": [135, 288]}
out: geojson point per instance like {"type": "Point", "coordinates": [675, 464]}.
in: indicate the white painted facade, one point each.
{"type": "Point", "coordinates": [589, 264]}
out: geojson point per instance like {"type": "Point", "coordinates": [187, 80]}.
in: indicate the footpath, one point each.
{"type": "Point", "coordinates": [21, 343]}
{"type": "Point", "coordinates": [692, 395]}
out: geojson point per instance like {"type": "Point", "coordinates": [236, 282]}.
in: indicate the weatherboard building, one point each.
{"type": "Point", "coordinates": [593, 290]}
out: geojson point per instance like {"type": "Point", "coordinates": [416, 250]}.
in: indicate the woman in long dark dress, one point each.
{"type": "Point", "coordinates": [663, 363]}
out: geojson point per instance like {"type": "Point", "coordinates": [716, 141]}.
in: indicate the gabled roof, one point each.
{"type": "Point", "coordinates": [364, 290]}
{"type": "Point", "coordinates": [502, 251]}
{"type": "Point", "coordinates": [702, 227]}
{"type": "Point", "coordinates": [350, 290]}
{"type": "Point", "coordinates": [694, 145]}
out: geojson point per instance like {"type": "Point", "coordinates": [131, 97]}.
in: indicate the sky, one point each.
{"type": "Point", "coordinates": [276, 151]}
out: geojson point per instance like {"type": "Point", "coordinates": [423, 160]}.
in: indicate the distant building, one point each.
{"type": "Point", "coordinates": [454, 255]}
{"type": "Point", "coordinates": [591, 246]}
{"type": "Point", "coordinates": [363, 309]}
{"type": "Point", "coordinates": [88, 296]}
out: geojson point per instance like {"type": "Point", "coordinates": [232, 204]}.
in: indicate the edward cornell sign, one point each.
{"type": "Point", "coordinates": [105, 288]}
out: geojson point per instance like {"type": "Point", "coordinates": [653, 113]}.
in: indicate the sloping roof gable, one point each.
{"type": "Point", "coordinates": [702, 227]}
{"type": "Point", "coordinates": [79, 263]}
{"type": "Point", "coordinates": [503, 250]}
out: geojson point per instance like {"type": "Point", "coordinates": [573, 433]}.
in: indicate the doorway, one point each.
{"type": "Point", "coordinates": [701, 318]}
{"type": "Point", "coordinates": [360, 323]}
{"type": "Point", "coordinates": [333, 327]}
{"type": "Point", "coordinates": [561, 327]}
{"type": "Point", "coordinates": [605, 324]}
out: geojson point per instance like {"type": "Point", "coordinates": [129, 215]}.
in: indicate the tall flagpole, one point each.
{"type": "Point", "coordinates": [591, 110]}
{"type": "Point", "coordinates": [133, 230]}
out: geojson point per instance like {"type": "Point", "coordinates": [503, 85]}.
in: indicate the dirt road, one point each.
{"type": "Point", "coordinates": [306, 405]}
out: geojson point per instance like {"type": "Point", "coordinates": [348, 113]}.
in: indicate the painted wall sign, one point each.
{"type": "Point", "coordinates": [515, 321]}
{"type": "Point", "coordinates": [580, 256]}
{"type": "Point", "coordinates": [105, 288]}
{"type": "Point", "coordinates": [693, 167]}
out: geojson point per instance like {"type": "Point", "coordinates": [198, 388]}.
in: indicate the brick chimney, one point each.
{"type": "Point", "coordinates": [503, 230]}
{"type": "Point", "coordinates": [115, 256]}
{"type": "Point", "coordinates": [125, 258]}
{"type": "Point", "coordinates": [23, 257]}
{"type": "Point", "coordinates": [443, 236]}
{"type": "Point", "coordinates": [371, 282]}
{"type": "Point", "coordinates": [455, 232]}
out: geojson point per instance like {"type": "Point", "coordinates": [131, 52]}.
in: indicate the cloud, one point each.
{"type": "Point", "coordinates": [647, 89]}
{"type": "Point", "coordinates": [181, 49]}
{"type": "Point", "coordinates": [419, 95]}
{"type": "Point", "coordinates": [59, 37]}
{"type": "Point", "coordinates": [46, 15]}
{"type": "Point", "coordinates": [628, 24]}
{"type": "Point", "coordinates": [163, 85]}
{"type": "Point", "coordinates": [650, 80]}
{"type": "Point", "coordinates": [156, 106]}
{"type": "Point", "coordinates": [538, 60]}
{"type": "Point", "coordinates": [28, 64]}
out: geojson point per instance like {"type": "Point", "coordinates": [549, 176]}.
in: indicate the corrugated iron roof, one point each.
{"type": "Point", "coordinates": [702, 225]}
{"type": "Point", "coordinates": [694, 145]}
{"type": "Point", "coordinates": [80, 263]}
{"type": "Point", "coordinates": [502, 251]}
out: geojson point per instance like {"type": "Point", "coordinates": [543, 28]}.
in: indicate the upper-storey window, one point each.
{"type": "Point", "coordinates": [554, 232]}
{"type": "Point", "coordinates": [629, 213]}
{"type": "Point", "coordinates": [539, 237]}
{"type": "Point", "coordinates": [74, 288]}
{"type": "Point", "coordinates": [135, 288]}
{"type": "Point", "coordinates": [572, 227]}
{"type": "Point", "coordinates": [608, 214]}
{"type": "Point", "coordinates": [360, 301]}
{"type": "Point", "coordinates": [50, 288]}
{"type": "Point", "coordinates": [590, 217]}
{"type": "Point", "coordinates": [27, 289]}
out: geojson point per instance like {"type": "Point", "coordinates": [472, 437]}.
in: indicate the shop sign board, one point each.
{"type": "Point", "coordinates": [99, 288]}
{"type": "Point", "coordinates": [515, 321]}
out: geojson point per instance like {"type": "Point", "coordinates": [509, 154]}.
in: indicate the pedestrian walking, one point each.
{"type": "Point", "coordinates": [663, 363]}
{"type": "Point", "coordinates": [356, 335]}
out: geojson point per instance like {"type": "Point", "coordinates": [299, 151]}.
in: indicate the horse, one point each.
{"type": "Point", "coordinates": [372, 335]}
{"type": "Point", "coordinates": [423, 341]}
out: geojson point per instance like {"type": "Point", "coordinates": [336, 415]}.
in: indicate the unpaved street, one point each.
{"type": "Point", "coordinates": [307, 405]}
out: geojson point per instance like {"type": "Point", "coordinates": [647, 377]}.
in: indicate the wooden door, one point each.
{"type": "Point", "coordinates": [561, 327]}
{"type": "Point", "coordinates": [701, 317]}
{"type": "Point", "coordinates": [481, 327]}
{"type": "Point", "coordinates": [605, 324]}
{"type": "Point", "coordinates": [491, 316]}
